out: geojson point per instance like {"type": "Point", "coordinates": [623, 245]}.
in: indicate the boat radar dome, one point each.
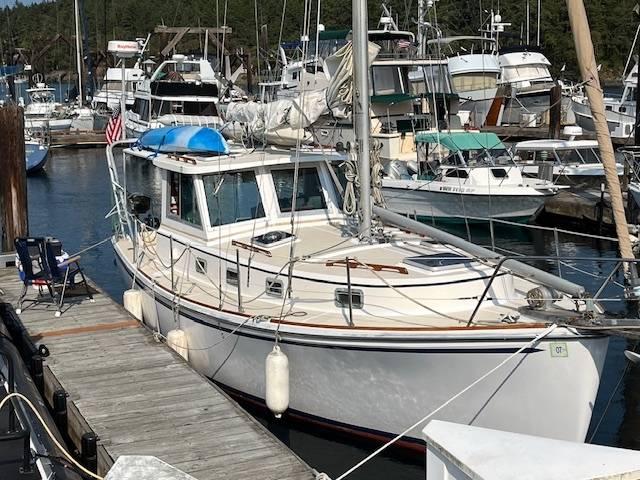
{"type": "Point", "coordinates": [572, 131]}
{"type": "Point", "coordinates": [123, 49]}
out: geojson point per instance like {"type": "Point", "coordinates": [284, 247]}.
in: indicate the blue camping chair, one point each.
{"type": "Point", "coordinates": [52, 273]}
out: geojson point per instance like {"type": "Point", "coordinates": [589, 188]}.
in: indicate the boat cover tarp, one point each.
{"type": "Point", "coordinates": [457, 141]}
{"type": "Point", "coordinates": [184, 139]}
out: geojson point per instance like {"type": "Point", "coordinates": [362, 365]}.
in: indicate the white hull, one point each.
{"type": "Point", "coordinates": [48, 124]}
{"type": "Point", "coordinates": [378, 383]}
{"type": "Point", "coordinates": [620, 124]}
{"type": "Point", "coordinates": [428, 200]}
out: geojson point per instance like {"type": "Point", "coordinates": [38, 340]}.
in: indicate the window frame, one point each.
{"type": "Point", "coordinates": [315, 211]}
{"type": "Point", "coordinates": [265, 209]}
{"type": "Point", "coordinates": [177, 219]}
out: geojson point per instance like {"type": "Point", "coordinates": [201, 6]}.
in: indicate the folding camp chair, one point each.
{"type": "Point", "coordinates": [43, 254]}
{"type": "Point", "coordinates": [31, 253]}
{"type": "Point", "coordinates": [63, 274]}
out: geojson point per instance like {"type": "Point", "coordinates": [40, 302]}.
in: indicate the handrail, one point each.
{"type": "Point", "coordinates": [618, 261]}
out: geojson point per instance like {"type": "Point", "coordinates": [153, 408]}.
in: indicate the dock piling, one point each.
{"type": "Point", "coordinates": [13, 180]}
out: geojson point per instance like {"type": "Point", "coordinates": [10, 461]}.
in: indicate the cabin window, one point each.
{"type": "Point", "coordinates": [622, 109]}
{"type": "Point", "coordinates": [232, 197]}
{"type": "Point", "coordinates": [387, 80]}
{"type": "Point", "coordinates": [182, 199]}
{"type": "Point", "coordinates": [455, 173]}
{"type": "Point", "coordinates": [141, 107]}
{"type": "Point", "coordinates": [274, 287]}
{"type": "Point", "coordinates": [201, 266]}
{"type": "Point", "coordinates": [467, 82]}
{"type": "Point", "coordinates": [499, 173]}
{"type": "Point", "coordinates": [309, 195]}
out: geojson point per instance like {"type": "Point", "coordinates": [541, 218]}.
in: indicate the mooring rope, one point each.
{"type": "Point", "coordinates": [539, 337]}
{"type": "Point", "coordinates": [46, 428]}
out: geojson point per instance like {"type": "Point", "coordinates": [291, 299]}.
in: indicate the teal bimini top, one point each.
{"type": "Point", "coordinates": [457, 141]}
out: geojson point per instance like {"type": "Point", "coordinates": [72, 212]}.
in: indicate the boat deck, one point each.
{"type": "Point", "coordinates": [141, 398]}
{"type": "Point", "coordinates": [426, 312]}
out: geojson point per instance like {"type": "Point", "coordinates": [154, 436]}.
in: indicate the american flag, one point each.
{"type": "Point", "coordinates": [114, 127]}
{"type": "Point", "coordinates": [402, 43]}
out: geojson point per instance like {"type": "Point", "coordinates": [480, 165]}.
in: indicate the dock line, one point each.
{"type": "Point", "coordinates": [543, 334]}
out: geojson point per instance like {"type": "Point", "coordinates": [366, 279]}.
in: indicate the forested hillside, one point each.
{"type": "Point", "coordinates": [613, 24]}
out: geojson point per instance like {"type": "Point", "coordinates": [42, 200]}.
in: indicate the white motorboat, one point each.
{"type": "Point", "coordinates": [619, 110]}
{"type": "Point", "coordinates": [110, 93]}
{"type": "Point", "coordinates": [572, 162]}
{"type": "Point", "coordinates": [475, 70]}
{"type": "Point", "coordinates": [182, 91]}
{"type": "Point", "coordinates": [43, 111]}
{"type": "Point", "coordinates": [239, 262]}
{"type": "Point", "coordinates": [474, 177]}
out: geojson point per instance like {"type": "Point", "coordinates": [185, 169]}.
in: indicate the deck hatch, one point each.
{"type": "Point", "coordinates": [342, 298]}
{"type": "Point", "coordinates": [271, 239]}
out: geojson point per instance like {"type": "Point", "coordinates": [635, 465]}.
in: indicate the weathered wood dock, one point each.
{"type": "Point", "coordinates": [78, 138]}
{"type": "Point", "coordinates": [139, 397]}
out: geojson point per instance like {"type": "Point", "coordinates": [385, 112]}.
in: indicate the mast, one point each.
{"type": "Point", "coordinates": [538, 31]}
{"type": "Point", "coordinates": [528, 17]}
{"type": "Point", "coordinates": [589, 72]}
{"type": "Point", "coordinates": [361, 119]}
{"type": "Point", "coordinates": [421, 32]}
{"type": "Point", "coordinates": [76, 12]}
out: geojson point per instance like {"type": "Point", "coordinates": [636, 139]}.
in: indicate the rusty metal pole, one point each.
{"type": "Point", "coordinates": [13, 177]}
{"type": "Point", "coordinates": [589, 71]}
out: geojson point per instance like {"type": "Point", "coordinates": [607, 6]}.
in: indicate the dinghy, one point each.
{"type": "Point", "coordinates": [184, 139]}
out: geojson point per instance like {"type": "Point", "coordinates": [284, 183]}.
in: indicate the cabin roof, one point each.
{"type": "Point", "coordinates": [457, 141]}
{"type": "Point", "coordinates": [238, 158]}
{"type": "Point", "coordinates": [551, 144]}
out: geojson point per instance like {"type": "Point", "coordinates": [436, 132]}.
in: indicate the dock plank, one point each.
{"type": "Point", "coordinates": [141, 398]}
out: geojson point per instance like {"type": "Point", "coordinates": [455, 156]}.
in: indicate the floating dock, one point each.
{"type": "Point", "coordinates": [140, 397]}
{"type": "Point", "coordinates": [78, 138]}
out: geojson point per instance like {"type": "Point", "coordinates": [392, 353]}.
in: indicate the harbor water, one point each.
{"type": "Point", "coordinates": [72, 197]}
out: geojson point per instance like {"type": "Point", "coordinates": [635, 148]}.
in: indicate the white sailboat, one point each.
{"type": "Point", "coordinates": [253, 250]}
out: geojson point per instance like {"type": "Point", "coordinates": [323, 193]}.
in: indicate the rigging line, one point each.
{"type": "Point", "coordinates": [55, 441]}
{"type": "Point", "coordinates": [613, 393]}
{"type": "Point", "coordinates": [539, 337]}
{"type": "Point", "coordinates": [284, 12]}
{"type": "Point", "coordinates": [402, 294]}
{"type": "Point", "coordinates": [255, 10]}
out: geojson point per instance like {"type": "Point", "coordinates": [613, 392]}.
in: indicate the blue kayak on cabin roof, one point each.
{"type": "Point", "coordinates": [184, 139]}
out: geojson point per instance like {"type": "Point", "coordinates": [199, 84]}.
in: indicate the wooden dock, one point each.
{"type": "Point", "coordinates": [78, 138]}
{"type": "Point", "coordinates": [141, 398]}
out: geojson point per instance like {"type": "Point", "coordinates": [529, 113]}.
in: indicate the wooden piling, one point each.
{"type": "Point", "coordinates": [555, 111]}
{"type": "Point", "coordinates": [13, 179]}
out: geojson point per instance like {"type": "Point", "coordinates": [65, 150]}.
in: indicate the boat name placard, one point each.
{"type": "Point", "coordinates": [559, 349]}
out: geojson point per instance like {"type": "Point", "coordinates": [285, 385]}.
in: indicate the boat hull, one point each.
{"type": "Point", "coordinates": [376, 384]}
{"type": "Point", "coordinates": [453, 206]}
{"type": "Point", "coordinates": [36, 156]}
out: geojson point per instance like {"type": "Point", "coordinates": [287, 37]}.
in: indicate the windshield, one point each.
{"type": "Point", "coordinates": [232, 197]}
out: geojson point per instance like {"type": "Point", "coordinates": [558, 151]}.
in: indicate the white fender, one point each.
{"type": "Point", "coordinates": [177, 340]}
{"type": "Point", "coordinates": [132, 300]}
{"type": "Point", "coordinates": [277, 381]}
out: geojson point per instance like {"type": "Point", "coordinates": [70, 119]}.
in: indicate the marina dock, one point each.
{"type": "Point", "coordinates": [141, 398]}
